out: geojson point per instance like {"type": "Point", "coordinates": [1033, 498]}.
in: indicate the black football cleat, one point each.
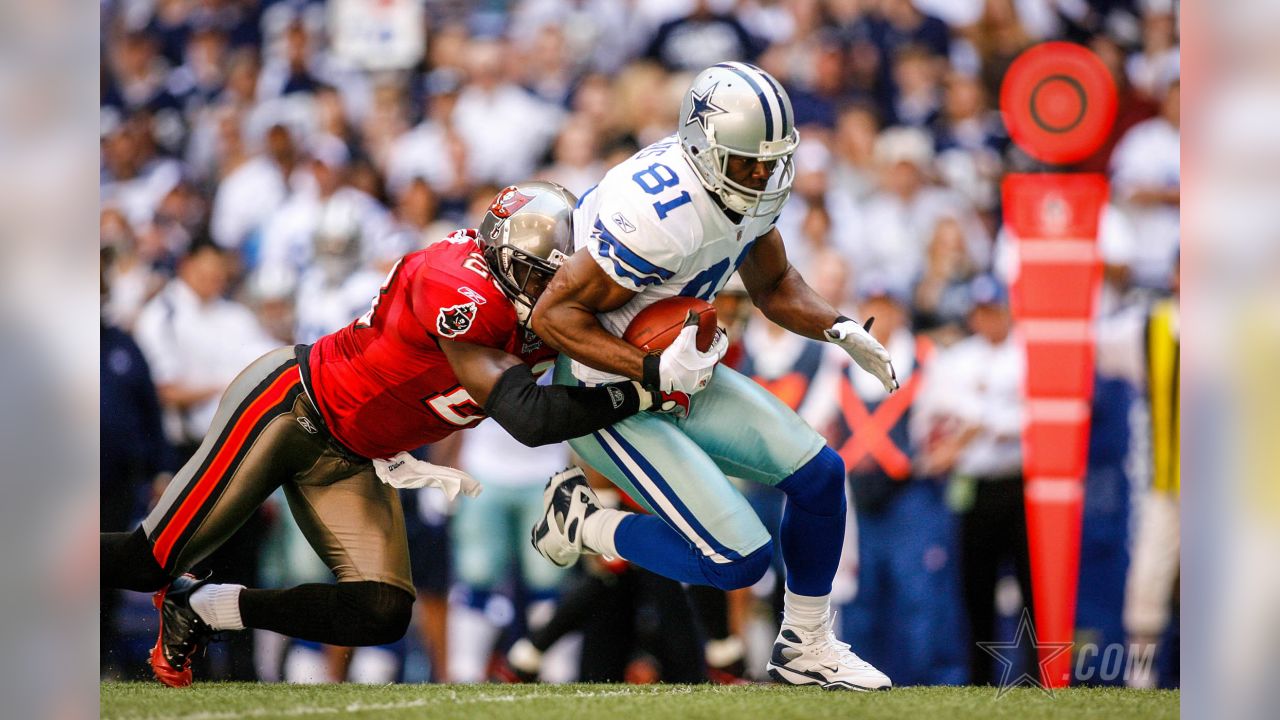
{"type": "Point", "coordinates": [182, 633]}
{"type": "Point", "coordinates": [567, 501]}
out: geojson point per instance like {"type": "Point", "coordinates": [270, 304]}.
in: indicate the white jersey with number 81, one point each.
{"type": "Point", "coordinates": [654, 229]}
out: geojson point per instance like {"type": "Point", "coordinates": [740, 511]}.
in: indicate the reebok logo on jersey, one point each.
{"type": "Point", "coordinates": [307, 425]}
{"type": "Point", "coordinates": [472, 295]}
{"type": "Point", "coordinates": [455, 320]}
{"type": "Point", "coordinates": [622, 222]}
{"type": "Point", "coordinates": [616, 397]}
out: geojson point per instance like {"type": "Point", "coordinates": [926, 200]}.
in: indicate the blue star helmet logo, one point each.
{"type": "Point", "coordinates": [703, 108]}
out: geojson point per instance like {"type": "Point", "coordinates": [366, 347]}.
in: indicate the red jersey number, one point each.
{"type": "Point", "coordinates": [455, 407]}
{"type": "Point", "coordinates": [475, 263]}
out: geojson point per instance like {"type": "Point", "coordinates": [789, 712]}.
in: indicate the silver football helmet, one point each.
{"type": "Point", "coordinates": [735, 108]}
{"type": "Point", "coordinates": [527, 233]}
{"type": "Point", "coordinates": [336, 243]}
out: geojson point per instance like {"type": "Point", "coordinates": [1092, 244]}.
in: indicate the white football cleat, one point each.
{"type": "Point", "coordinates": [566, 502]}
{"type": "Point", "coordinates": [816, 657]}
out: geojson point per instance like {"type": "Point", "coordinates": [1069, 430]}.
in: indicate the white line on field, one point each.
{"type": "Point", "coordinates": [452, 699]}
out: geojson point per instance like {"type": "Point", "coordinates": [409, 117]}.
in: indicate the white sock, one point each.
{"type": "Point", "coordinates": [219, 606]}
{"type": "Point", "coordinates": [805, 611]}
{"type": "Point", "coordinates": [598, 531]}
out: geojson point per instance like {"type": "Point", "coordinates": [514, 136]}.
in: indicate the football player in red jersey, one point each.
{"type": "Point", "coordinates": [444, 345]}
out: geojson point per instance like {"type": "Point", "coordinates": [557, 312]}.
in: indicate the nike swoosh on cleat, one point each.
{"type": "Point", "coordinates": [783, 654]}
{"type": "Point", "coordinates": [775, 672]}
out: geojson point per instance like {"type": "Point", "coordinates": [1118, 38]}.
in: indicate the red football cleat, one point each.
{"type": "Point", "coordinates": [182, 632]}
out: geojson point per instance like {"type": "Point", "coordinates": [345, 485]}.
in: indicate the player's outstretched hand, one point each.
{"type": "Point", "coordinates": [405, 471]}
{"type": "Point", "coordinates": [685, 369]}
{"type": "Point", "coordinates": [864, 349]}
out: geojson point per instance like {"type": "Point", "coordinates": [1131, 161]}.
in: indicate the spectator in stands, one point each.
{"type": "Point", "coordinates": [900, 218]}
{"type": "Point", "coordinates": [135, 176]}
{"type": "Point", "coordinates": [295, 69]}
{"type": "Point", "coordinates": [546, 68]}
{"type": "Point", "coordinates": [969, 131]}
{"type": "Point", "coordinates": [701, 38]}
{"type": "Point", "coordinates": [898, 23]}
{"type": "Point", "coordinates": [600, 35]}
{"type": "Point", "coordinates": [999, 38]}
{"type": "Point", "coordinates": [916, 97]}
{"type": "Point", "coordinates": [432, 150]}
{"type": "Point", "coordinates": [968, 419]}
{"type": "Point", "coordinates": [253, 191]}
{"type": "Point", "coordinates": [505, 129]}
{"type": "Point", "coordinates": [815, 101]}
{"type": "Point", "coordinates": [806, 222]}
{"type": "Point", "coordinates": [386, 121]}
{"type": "Point", "coordinates": [575, 157]}
{"type": "Point", "coordinates": [940, 301]}
{"type": "Point", "coordinates": [196, 341]}
{"type": "Point", "coordinates": [1132, 106]}
{"type": "Point", "coordinates": [853, 172]}
{"type": "Point", "coordinates": [138, 78]}
{"type": "Point", "coordinates": [417, 222]}
{"type": "Point", "coordinates": [1145, 176]}
{"type": "Point", "coordinates": [130, 274]}
{"type": "Point", "coordinates": [1155, 67]}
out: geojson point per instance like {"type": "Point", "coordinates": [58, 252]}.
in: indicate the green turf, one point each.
{"type": "Point", "coordinates": [227, 701]}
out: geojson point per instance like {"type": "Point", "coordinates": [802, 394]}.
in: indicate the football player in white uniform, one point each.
{"type": "Point", "coordinates": [677, 219]}
{"type": "Point", "coordinates": [336, 286]}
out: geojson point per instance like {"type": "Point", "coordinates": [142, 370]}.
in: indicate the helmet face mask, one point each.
{"type": "Point", "coordinates": [522, 275]}
{"type": "Point", "coordinates": [738, 110]}
{"type": "Point", "coordinates": [527, 233]}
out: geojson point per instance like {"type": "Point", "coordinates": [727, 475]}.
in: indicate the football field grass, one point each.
{"type": "Point", "coordinates": [229, 701]}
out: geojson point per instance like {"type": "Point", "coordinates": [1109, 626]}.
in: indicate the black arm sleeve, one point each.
{"type": "Point", "coordinates": [537, 415]}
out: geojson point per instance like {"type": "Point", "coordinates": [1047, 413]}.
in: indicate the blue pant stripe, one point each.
{"type": "Point", "coordinates": [649, 498]}
{"type": "Point", "coordinates": [678, 513]}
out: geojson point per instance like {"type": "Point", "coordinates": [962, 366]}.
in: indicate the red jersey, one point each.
{"type": "Point", "coordinates": [383, 384]}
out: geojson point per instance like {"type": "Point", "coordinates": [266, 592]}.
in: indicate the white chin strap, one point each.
{"type": "Point", "coordinates": [737, 203]}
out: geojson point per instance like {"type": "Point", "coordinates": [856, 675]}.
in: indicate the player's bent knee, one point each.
{"type": "Point", "coordinates": [740, 573]}
{"type": "Point", "coordinates": [818, 486]}
{"type": "Point", "coordinates": [380, 612]}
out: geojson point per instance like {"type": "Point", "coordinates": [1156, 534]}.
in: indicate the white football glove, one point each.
{"type": "Point", "coordinates": [864, 349]}
{"type": "Point", "coordinates": [407, 472]}
{"type": "Point", "coordinates": [682, 367]}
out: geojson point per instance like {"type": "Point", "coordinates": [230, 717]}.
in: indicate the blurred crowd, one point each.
{"type": "Point", "coordinates": [263, 164]}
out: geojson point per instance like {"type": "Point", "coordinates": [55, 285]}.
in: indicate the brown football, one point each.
{"type": "Point", "coordinates": [657, 326]}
